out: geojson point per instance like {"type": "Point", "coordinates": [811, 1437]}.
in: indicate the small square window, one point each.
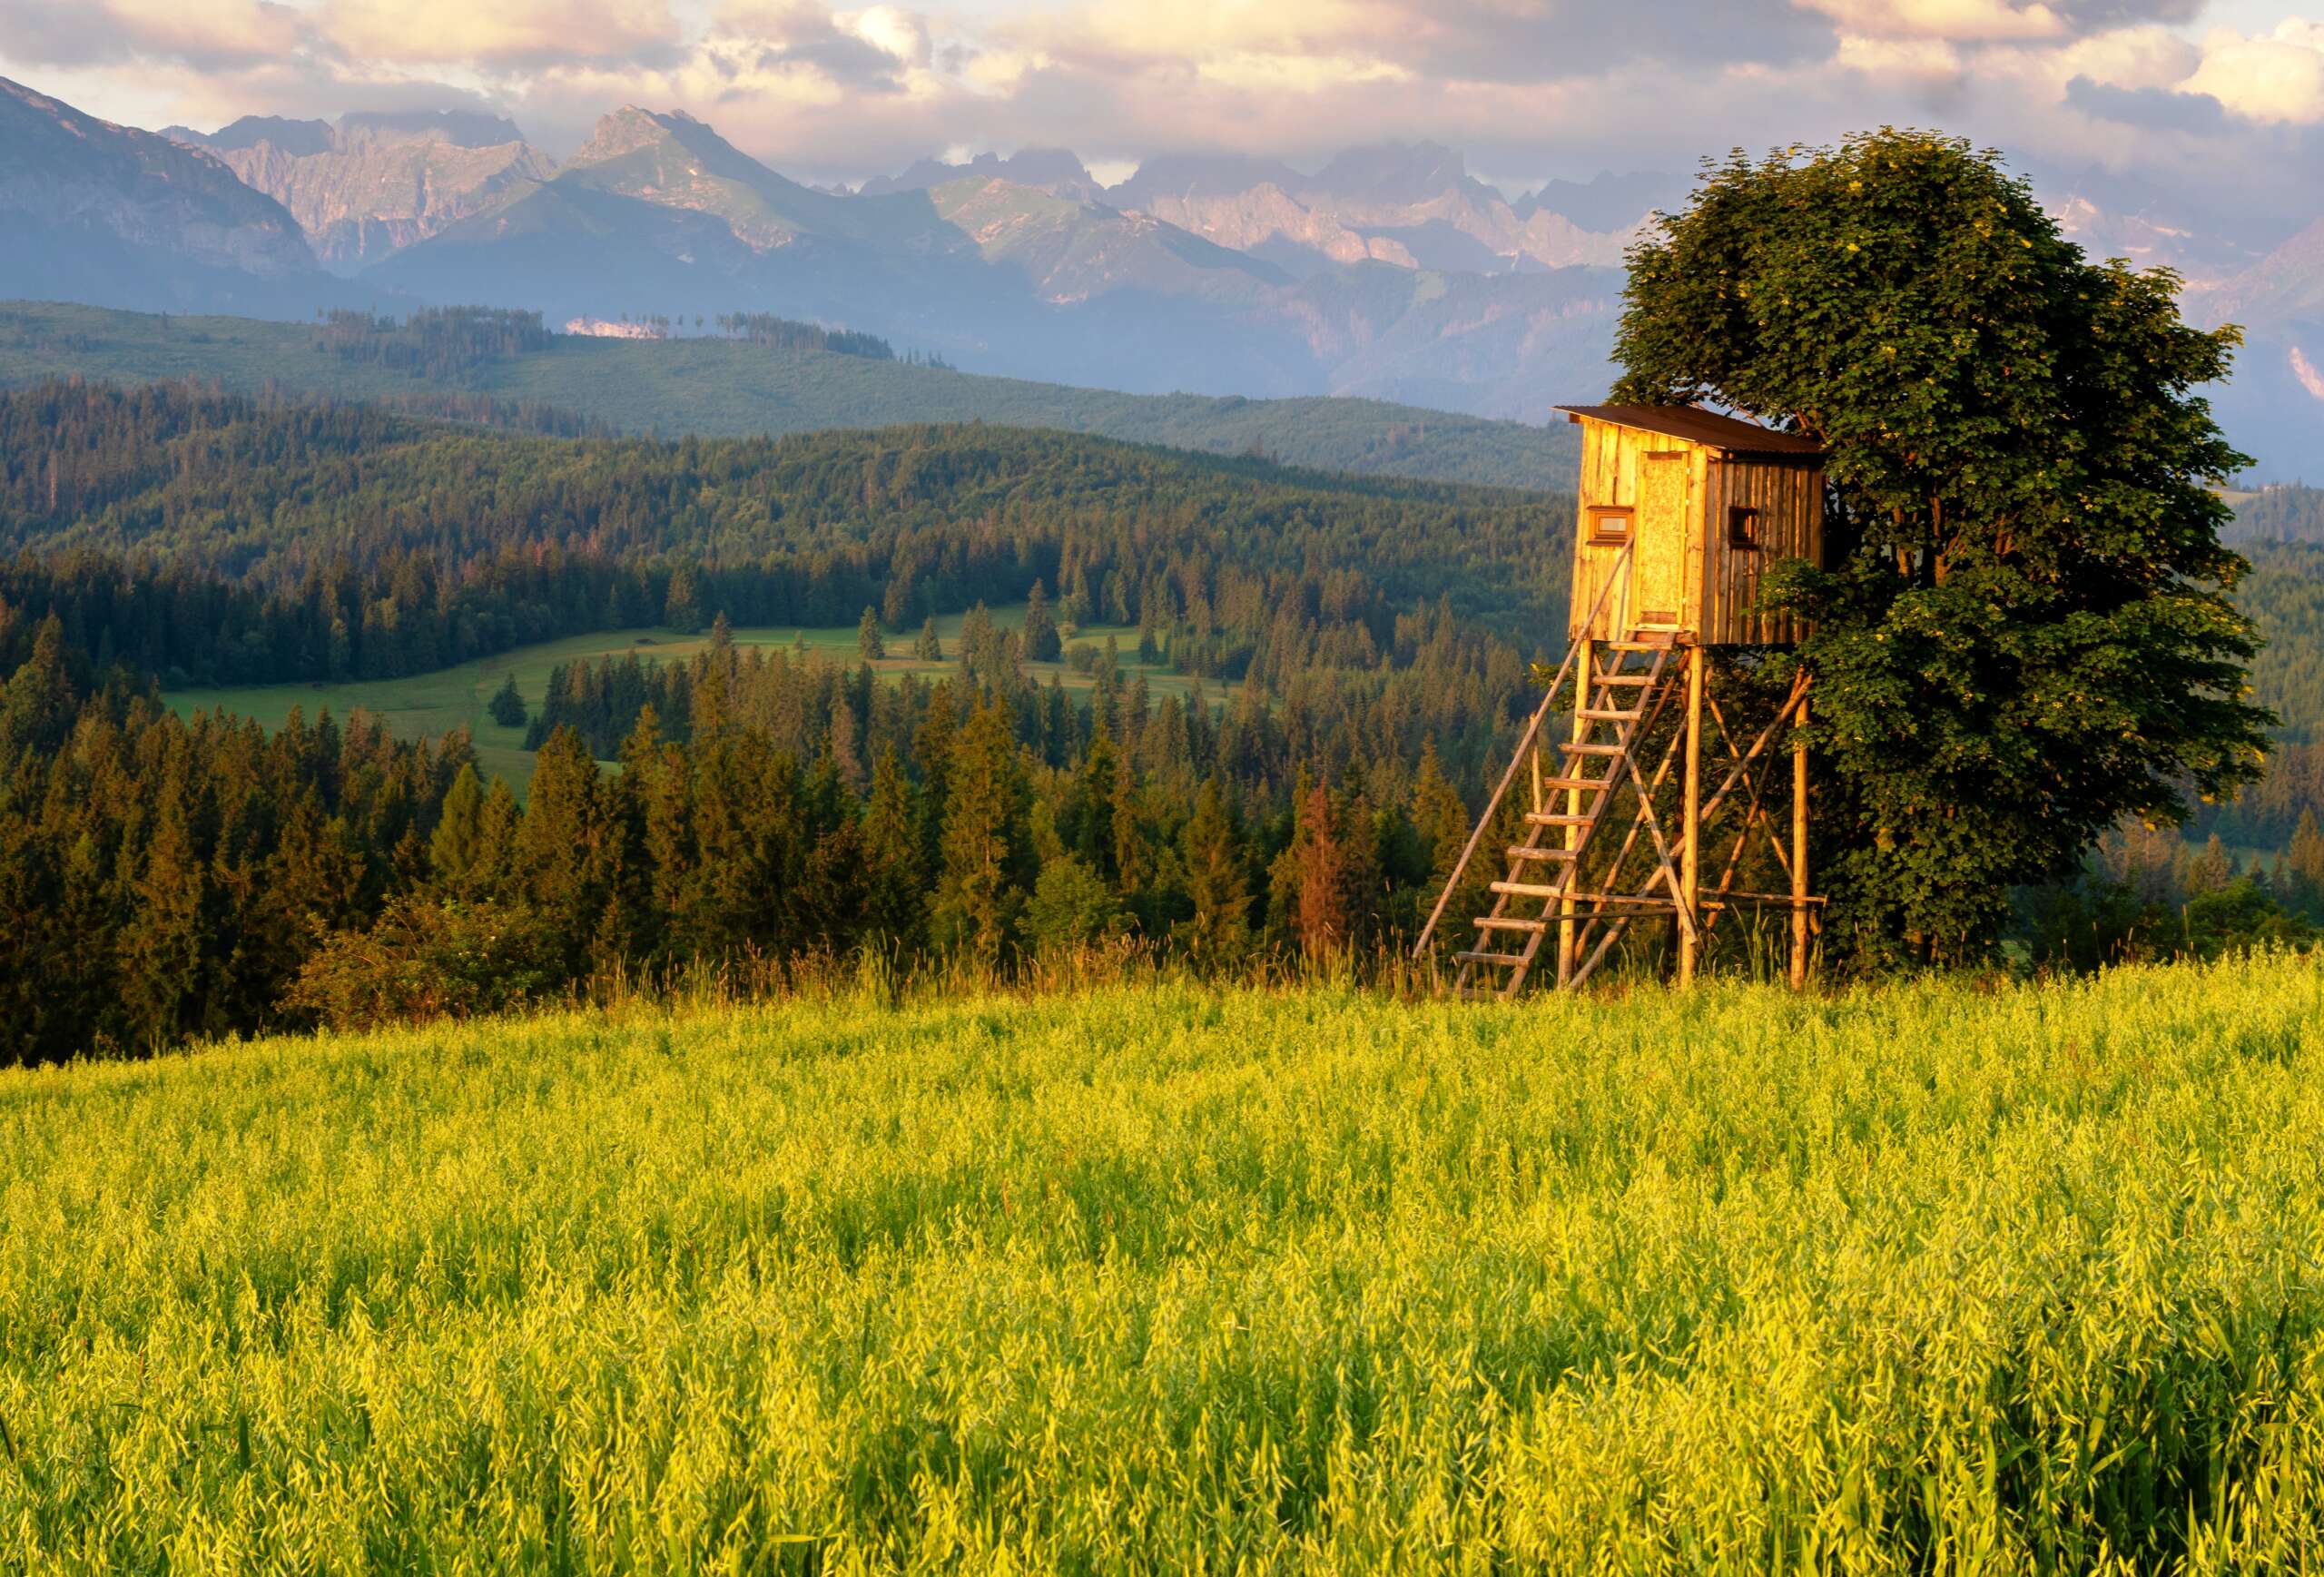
{"type": "Point", "coordinates": [1742, 527]}
{"type": "Point", "coordinates": [1610, 526]}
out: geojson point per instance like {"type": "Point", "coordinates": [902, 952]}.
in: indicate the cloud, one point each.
{"type": "Point", "coordinates": [203, 35]}
{"type": "Point", "coordinates": [2277, 76]}
{"type": "Point", "coordinates": [1529, 88]}
{"type": "Point", "coordinates": [498, 32]}
{"type": "Point", "coordinates": [1963, 20]}
{"type": "Point", "coordinates": [2154, 108]}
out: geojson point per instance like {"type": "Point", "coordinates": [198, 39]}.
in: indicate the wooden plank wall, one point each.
{"type": "Point", "coordinates": [1609, 472]}
{"type": "Point", "coordinates": [1789, 497]}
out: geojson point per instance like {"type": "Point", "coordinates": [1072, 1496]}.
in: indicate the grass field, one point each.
{"type": "Point", "coordinates": [1156, 1277]}
{"type": "Point", "coordinates": [430, 706]}
{"type": "Point", "coordinates": [713, 388]}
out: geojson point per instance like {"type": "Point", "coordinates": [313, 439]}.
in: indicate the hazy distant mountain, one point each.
{"type": "Point", "coordinates": [659, 213]}
{"type": "Point", "coordinates": [2202, 256]}
{"type": "Point", "coordinates": [1390, 270]}
{"type": "Point", "coordinates": [375, 183]}
{"type": "Point", "coordinates": [1408, 204]}
{"type": "Point", "coordinates": [1051, 169]}
{"type": "Point", "coordinates": [90, 211]}
{"type": "Point", "coordinates": [2274, 407]}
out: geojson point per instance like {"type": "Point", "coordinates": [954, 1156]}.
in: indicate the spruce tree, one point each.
{"type": "Point", "coordinates": [870, 645]}
{"type": "Point", "coordinates": [1218, 934]}
{"type": "Point", "coordinates": [508, 704]}
{"type": "Point", "coordinates": [1437, 812]}
{"type": "Point", "coordinates": [1041, 642]}
{"type": "Point", "coordinates": [930, 646]}
{"type": "Point", "coordinates": [453, 847]}
{"type": "Point", "coordinates": [1320, 868]}
{"type": "Point", "coordinates": [985, 847]}
{"type": "Point", "coordinates": [161, 980]}
{"type": "Point", "coordinates": [894, 876]}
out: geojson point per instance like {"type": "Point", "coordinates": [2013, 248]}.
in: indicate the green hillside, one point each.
{"type": "Point", "coordinates": [714, 387]}
{"type": "Point", "coordinates": [1163, 1279]}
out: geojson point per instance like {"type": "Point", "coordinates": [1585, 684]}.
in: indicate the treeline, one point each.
{"type": "Point", "coordinates": [2148, 892]}
{"type": "Point", "coordinates": [217, 540]}
{"type": "Point", "coordinates": [2289, 512]}
{"type": "Point", "coordinates": [161, 879]}
{"type": "Point", "coordinates": [449, 345]}
{"type": "Point", "coordinates": [786, 334]}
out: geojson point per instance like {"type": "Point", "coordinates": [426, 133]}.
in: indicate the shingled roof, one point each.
{"type": "Point", "coordinates": [1702, 427]}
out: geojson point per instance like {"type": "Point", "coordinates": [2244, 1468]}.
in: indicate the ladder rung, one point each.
{"type": "Point", "coordinates": [1520, 851]}
{"type": "Point", "coordinates": [1664, 644]}
{"type": "Point", "coordinates": [1625, 678]}
{"type": "Point", "coordinates": [1527, 890]}
{"type": "Point", "coordinates": [1508, 922]}
{"type": "Point", "coordinates": [1511, 959]}
{"type": "Point", "coordinates": [1557, 819]}
{"type": "Point", "coordinates": [1588, 785]}
{"type": "Point", "coordinates": [1574, 748]}
{"type": "Point", "coordinates": [1607, 714]}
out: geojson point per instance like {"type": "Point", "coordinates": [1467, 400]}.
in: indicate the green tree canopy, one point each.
{"type": "Point", "coordinates": [2021, 632]}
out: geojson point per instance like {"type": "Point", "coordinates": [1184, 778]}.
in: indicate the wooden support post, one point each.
{"type": "Point", "coordinates": [1799, 859]}
{"type": "Point", "coordinates": [1584, 676]}
{"type": "Point", "coordinates": [1690, 832]}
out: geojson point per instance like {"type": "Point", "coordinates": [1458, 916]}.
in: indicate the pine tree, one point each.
{"type": "Point", "coordinates": [162, 945]}
{"type": "Point", "coordinates": [558, 844]}
{"type": "Point", "coordinates": [1437, 812]}
{"type": "Point", "coordinates": [36, 704]}
{"type": "Point", "coordinates": [2307, 864]}
{"type": "Point", "coordinates": [1041, 642]}
{"type": "Point", "coordinates": [870, 645]}
{"type": "Point", "coordinates": [493, 873]}
{"type": "Point", "coordinates": [453, 847]}
{"type": "Point", "coordinates": [930, 646]}
{"type": "Point", "coordinates": [1218, 932]}
{"type": "Point", "coordinates": [508, 704]}
{"type": "Point", "coordinates": [894, 872]}
{"type": "Point", "coordinates": [680, 611]}
{"type": "Point", "coordinates": [1320, 916]}
{"type": "Point", "coordinates": [840, 749]}
{"type": "Point", "coordinates": [983, 875]}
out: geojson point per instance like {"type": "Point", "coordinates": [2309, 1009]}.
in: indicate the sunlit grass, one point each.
{"type": "Point", "coordinates": [1157, 1277]}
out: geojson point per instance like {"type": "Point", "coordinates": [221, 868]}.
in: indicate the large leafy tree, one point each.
{"type": "Point", "coordinates": [2021, 628]}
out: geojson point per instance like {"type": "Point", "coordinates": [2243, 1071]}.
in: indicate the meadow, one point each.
{"type": "Point", "coordinates": [430, 706]}
{"type": "Point", "coordinates": [1145, 1277]}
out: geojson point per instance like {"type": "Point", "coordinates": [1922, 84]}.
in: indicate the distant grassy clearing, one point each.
{"type": "Point", "coordinates": [1160, 1278]}
{"type": "Point", "coordinates": [430, 706]}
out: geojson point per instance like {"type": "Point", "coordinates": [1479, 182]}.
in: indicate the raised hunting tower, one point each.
{"type": "Point", "coordinates": [1681, 512]}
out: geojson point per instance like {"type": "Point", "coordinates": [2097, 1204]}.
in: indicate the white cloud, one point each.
{"type": "Point", "coordinates": [496, 31]}
{"type": "Point", "coordinates": [2276, 77]}
{"type": "Point", "coordinates": [848, 88]}
{"type": "Point", "coordinates": [1956, 20]}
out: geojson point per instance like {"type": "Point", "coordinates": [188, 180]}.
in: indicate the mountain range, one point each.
{"type": "Point", "coordinates": [93, 211]}
{"type": "Point", "coordinates": [371, 184]}
{"type": "Point", "coordinates": [1391, 272]}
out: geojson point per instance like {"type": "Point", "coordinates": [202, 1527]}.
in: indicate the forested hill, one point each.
{"type": "Point", "coordinates": [241, 541]}
{"type": "Point", "coordinates": [2293, 512]}
{"type": "Point", "coordinates": [714, 386]}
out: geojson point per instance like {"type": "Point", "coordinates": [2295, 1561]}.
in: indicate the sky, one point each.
{"type": "Point", "coordinates": [2198, 108]}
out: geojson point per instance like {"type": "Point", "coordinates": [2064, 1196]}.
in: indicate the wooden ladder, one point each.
{"type": "Point", "coordinates": [1541, 889]}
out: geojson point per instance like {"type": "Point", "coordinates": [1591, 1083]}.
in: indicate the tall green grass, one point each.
{"type": "Point", "coordinates": [1928, 1278]}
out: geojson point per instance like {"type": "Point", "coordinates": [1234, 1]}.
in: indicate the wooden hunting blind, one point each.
{"type": "Point", "coordinates": [1680, 513]}
{"type": "Point", "coordinates": [1700, 504]}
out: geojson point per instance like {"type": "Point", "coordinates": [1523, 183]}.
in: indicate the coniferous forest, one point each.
{"type": "Point", "coordinates": [1358, 653]}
